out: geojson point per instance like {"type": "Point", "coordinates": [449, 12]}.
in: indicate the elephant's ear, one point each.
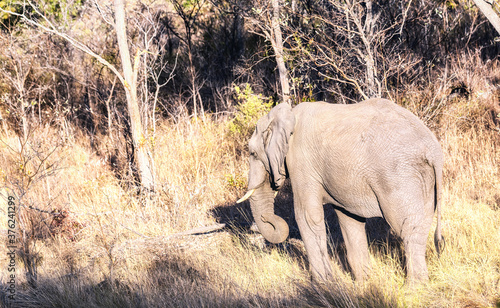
{"type": "Point", "coordinates": [282, 123]}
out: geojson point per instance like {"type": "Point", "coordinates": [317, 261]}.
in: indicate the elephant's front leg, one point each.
{"type": "Point", "coordinates": [310, 219]}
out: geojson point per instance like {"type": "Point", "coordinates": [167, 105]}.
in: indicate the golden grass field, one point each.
{"type": "Point", "coordinates": [112, 248]}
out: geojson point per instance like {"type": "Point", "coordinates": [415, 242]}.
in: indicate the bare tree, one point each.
{"type": "Point", "coordinates": [129, 81]}
{"type": "Point", "coordinates": [277, 43]}
{"type": "Point", "coordinates": [16, 70]}
{"type": "Point", "coordinates": [266, 20]}
{"type": "Point", "coordinates": [346, 50]}
{"type": "Point", "coordinates": [189, 15]}
{"type": "Point", "coordinates": [128, 78]}
{"type": "Point", "coordinates": [355, 24]}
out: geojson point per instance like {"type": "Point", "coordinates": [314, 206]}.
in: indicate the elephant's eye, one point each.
{"type": "Point", "coordinates": [252, 153]}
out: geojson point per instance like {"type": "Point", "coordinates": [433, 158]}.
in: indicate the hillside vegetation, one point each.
{"type": "Point", "coordinates": [87, 236]}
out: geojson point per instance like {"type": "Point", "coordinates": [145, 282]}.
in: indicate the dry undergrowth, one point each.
{"type": "Point", "coordinates": [95, 243]}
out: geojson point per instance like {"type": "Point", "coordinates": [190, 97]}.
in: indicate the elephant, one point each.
{"type": "Point", "coordinates": [369, 159]}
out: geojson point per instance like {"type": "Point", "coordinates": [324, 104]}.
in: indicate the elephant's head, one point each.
{"type": "Point", "coordinates": [268, 148]}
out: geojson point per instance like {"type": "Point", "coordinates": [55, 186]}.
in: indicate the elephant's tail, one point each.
{"type": "Point", "coordinates": [439, 241]}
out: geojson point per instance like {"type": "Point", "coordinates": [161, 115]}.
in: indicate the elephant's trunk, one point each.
{"type": "Point", "coordinates": [273, 228]}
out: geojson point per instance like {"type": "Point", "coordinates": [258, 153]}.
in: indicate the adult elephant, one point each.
{"type": "Point", "coordinates": [371, 159]}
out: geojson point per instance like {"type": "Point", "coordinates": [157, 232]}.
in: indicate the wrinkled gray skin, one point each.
{"type": "Point", "coordinates": [371, 159]}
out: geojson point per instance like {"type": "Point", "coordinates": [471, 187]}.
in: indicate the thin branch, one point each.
{"type": "Point", "coordinates": [51, 28]}
{"type": "Point", "coordinates": [405, 14]}
{"type": "Point", "coordinates": [101, 12]}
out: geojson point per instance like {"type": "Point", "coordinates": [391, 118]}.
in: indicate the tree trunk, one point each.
{"type": "Point", "coordinates": [130, 84]}
{"type": "Point", "coordinates": [487, 9]}
{"type": "Point", "coordinates": [370, 62]}
{"type": "Point", "coordinates": [277, 42]}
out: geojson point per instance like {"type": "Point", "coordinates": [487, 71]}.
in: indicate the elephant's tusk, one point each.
{"type": "Point", "coordinates": [275, 194]}
{"type": "Point", "coordinates": [246, 196]}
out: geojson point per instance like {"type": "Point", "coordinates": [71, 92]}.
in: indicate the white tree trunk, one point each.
{"type": "Point", "coordinates": [488, 11]}
{"type": "Point", "coordinates": [277, 42]}
{"type": "Point", "coordinates": [370, 61]}
{"type": "Point", "coordinates": [130, 83]}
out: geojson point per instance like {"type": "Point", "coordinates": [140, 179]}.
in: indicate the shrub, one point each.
{"type": "Point", "coordinates": [248, 111]}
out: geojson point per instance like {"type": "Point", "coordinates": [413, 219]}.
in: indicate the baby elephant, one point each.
{"type": "Point", "coordinates": [371, 159]}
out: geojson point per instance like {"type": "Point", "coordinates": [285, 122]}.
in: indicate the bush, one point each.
{"type": "Point", "coordinates": [251, 107]}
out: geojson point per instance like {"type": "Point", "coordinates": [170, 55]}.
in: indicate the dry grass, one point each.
{"type": "Point", "coordinates": [114, 249]}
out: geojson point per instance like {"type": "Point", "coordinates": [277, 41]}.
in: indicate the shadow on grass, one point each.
{"type": "Point", "coordinates": [239, 221]}
{"type": "Point", "coordinates": [176, 280]}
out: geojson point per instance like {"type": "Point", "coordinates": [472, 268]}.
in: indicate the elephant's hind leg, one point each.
{"type": "Point", "coordinates": [411, 217]}
{"type": "Point", "coordinates": [415, 246]}
{"type": "Point", "coordinates": [354, 234]}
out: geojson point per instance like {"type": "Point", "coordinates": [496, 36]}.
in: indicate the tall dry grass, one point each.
{"type": "Point", "coordinates": [93, 242]}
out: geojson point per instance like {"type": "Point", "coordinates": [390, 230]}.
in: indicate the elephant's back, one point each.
{"type": "Point", "coordinates": [376, 126]}
{"type": "Point", "coordinates": [372, 114]}
{"type": "Point", "coordinates": [354, 113]}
